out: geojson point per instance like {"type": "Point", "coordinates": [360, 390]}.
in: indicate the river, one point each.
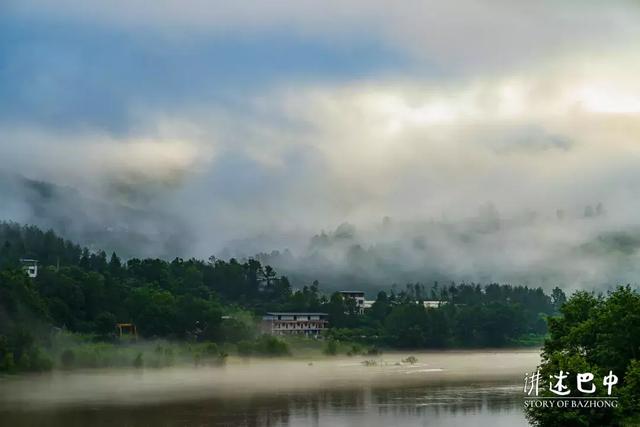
{"type": "Point", "coordinates": [482, 388]}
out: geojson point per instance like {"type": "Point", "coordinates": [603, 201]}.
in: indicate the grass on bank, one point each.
{"type": "Point", "coordinates": [66, 350]}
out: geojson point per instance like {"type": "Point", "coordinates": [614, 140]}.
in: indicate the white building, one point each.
{"type": "Point", "coordinates": [356, 295]}
{"type": "Point", "coordinates": [30, 266]}
{"type": "Point", "coordinates": [433, 304]}
{"type": "Point", "coordinates": [309, 324]}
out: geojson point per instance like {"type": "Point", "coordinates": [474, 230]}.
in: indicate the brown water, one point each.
{"type": "Point", "coordinates": [442, 389]}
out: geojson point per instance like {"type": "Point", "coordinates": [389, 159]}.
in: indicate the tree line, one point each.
{"type": "Point", "coordinates": [88, 292]}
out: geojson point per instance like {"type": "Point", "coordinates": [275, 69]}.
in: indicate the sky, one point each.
{"type": "Point", "coordinates": [266, 122]}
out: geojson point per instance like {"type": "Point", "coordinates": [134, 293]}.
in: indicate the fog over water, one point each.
{"type": "Point", "coordinates": [366, 144]}
{"type": "Point", "coordinates": [255, 376]}
{"type": "Point", "coordinates": [450, 388]}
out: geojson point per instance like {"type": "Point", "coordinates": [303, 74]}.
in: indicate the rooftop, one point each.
{"type": "Point", "coordinates": [280, 313]}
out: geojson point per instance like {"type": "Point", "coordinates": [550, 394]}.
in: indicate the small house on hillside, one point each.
{"type": "Point", "coordinates": [281, 323]}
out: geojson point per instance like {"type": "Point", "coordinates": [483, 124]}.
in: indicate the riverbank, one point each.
{"type": "Point", "coordinates": [69, 352]}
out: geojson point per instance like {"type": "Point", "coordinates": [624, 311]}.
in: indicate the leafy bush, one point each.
{"type": "Point", "coordinates": [594, 334]}
{"type": "Point", "coordinates": [67, 359]}
{"type": "Point", "coordinates": [412, 360]}
{"type": "Point", "coordinates": [18, 352]}
{"type": "Point", "coordinates": [355, 350]}
{"type": "Point", "coordinates": [373, 351]}
{"type": "Point", "coordinates": [331, 349]}
{"type": "Point", "coordinates": [245, 348]}
{"type": "Point", "coordinates": [211, 349]}
{"type": "Point", "coordinates": [138, 362]}
{"type": "Point", "coordinates": [264, 345]}
{"type": "Point", "coordinates": [105, 323]}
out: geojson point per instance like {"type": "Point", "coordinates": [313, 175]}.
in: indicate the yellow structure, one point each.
{"type": "Point", "coordinates": [127, 328]}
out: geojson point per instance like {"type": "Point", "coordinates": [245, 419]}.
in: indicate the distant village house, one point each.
{"type": "Point", "coordinates": [358, 296]}
{"type": "Point", "coordinates": [30, 266]}
{"type": "Point", "coordinates": [309, 324]}
{"type": "Point", "coordinates": [433, 303]}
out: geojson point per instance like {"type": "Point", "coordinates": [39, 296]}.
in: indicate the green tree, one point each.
{"type": "Point", "coordinates": [405, 326]}
{"type": "Point", "coordinates": [597, 335]}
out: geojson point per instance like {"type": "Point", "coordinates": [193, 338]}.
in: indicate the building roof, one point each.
{"type": "Point", "coordinates": [280, 313]}
{"type": "Point", "coordinates": [352, 292]}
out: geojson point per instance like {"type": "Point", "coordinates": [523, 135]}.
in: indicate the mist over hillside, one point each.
{"type": "Point", "coordinates": [582, 247]}
{"type": "Point", "coordinates": [567, 249]}
{"type": "Point", "coordinates": [501, 141]}
{"type": "Point", "coordinates": [97, 223]}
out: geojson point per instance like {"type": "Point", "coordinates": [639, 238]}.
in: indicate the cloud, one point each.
{"type": "Point", "coordinates": [91, 157]}
{"type": "Point", "coordinates": [358, 150]}
{"type": "Point", "coordinates": [526, 109]}
{"type": "Point", "coordinates": [455, 35]}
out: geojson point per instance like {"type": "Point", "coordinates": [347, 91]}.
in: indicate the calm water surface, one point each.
{"type": "Point", "coordinates": [369, 397]}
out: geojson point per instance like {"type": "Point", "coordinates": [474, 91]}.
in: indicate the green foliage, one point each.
{"type": "Point", "coordinates": [374, 351]}
{"type": "Point", "coordinates": [412, 360]}
{"type": "Point", "coordinates": [594, 334]}
{"type": "Point", "coordinates": [630, 391]}
{"type": "Point", "coordinates": [18, 241]}
{"type": "Point", "coordinates": [558, 298]}
{"type": "Point", "coordinates": [19, 352]}
{"type": "Point", "coordinates": [331, 348]}
{"type": "Point", "coordinates": [195, 301]}
{"type": "Point", "coordinates": [211, 349]}
{"type": "Point", "coordinates": [265, 345]}
{"type": "Point", "coordinates": [355, 350]}
{"type": "Point", "coordinates": [68, 359]}
{"type": "Point", "coordinates": [138, 362]}
{"type": "Point", "coordinates": [470, 316]}
{"type": "Point", "coordinates": [237, 326]}
{"type": "Point", "coordinates": [405, 327]}
{"type": "Point", "coordinates": [105, 323]}
{"type": "Point", "coordinates": [81, 351]}
{"type": "Point", "coordinates": [210, 354]}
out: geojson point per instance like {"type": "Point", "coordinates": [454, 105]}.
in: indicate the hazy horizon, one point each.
{"type": "Point", "coordinates": [498, 138]}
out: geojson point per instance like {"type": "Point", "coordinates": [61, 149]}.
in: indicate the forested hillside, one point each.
{"type": "Point", "coordinates": [88, 292]}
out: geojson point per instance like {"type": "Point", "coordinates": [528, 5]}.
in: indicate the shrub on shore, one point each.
{"type": "Point", "coordinates": [264, 345]}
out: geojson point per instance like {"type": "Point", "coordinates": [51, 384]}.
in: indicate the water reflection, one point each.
{"type": "Point", "coordinates": [474, 404]}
